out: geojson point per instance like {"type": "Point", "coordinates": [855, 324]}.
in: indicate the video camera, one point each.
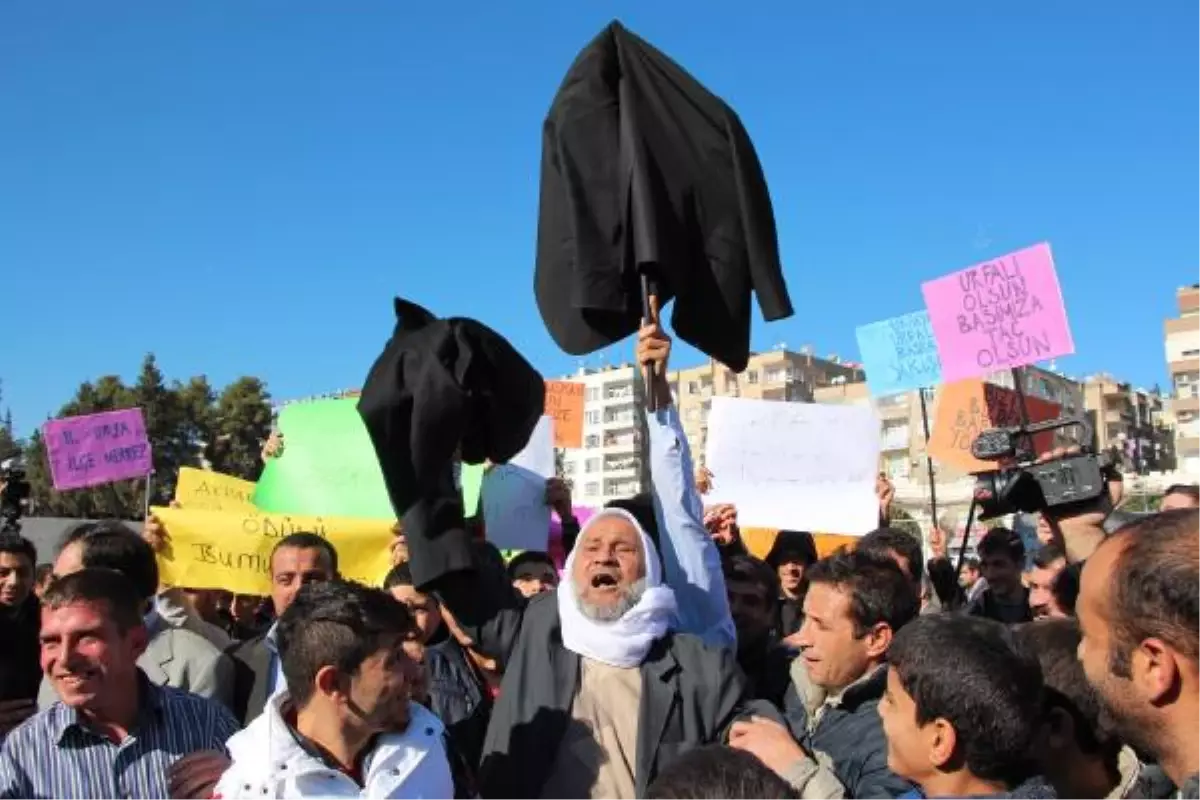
{"type": "Point", "coordinates": [13, 496]}
{"type": "Point", "coordinates": [1030, 486]}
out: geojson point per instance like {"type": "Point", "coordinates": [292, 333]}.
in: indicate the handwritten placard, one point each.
{"type": "Point", "coordinates": [967, 408]}
{"type": "Point", "coordinates": [795, 466]}
{"type": "Point", "coordinates": [205, 490]}
{"type": "Point", "coordinates": [230, 550]}
{"type": "Point", "coordinates": [1002, 313]}
{"type": "Point", "coordinates": [564, 402]}
{"type": "Point", "coordinates": [97, 448]}
{"type": "Point", "coordinates": [899, 354]}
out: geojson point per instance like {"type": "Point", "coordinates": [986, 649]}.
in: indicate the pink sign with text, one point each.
{"type": "Point", "coordinates": [1003, 313]}
{"type": "Point", "coordinates": [97, 448]}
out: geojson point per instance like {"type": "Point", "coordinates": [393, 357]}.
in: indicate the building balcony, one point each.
{"type": "Point", "coordinates": [1186, 404]}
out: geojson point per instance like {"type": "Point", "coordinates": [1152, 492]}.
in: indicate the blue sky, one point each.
{"type": "Point", "coordinates": [241, 186]}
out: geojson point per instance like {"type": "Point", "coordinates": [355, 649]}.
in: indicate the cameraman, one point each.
{"type": "Point", "coordinates": [1078, 529]}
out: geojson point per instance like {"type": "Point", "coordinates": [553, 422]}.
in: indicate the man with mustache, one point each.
{"type": "Point", "coordinates": [113, 733]}
{"type": "Point", "coordinates": [599, 691]}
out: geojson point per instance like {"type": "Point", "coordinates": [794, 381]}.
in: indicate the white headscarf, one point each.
{"type": "Point", "coordinates": [623, 642]}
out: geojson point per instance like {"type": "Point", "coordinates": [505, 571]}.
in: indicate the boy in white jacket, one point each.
{"type": "Point", "coordinates": [346, 727]}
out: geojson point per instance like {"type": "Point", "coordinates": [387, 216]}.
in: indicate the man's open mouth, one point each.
{"type": "Point", "coordinates": [604, 580]}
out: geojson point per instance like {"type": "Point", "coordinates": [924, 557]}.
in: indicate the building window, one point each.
{"type": "Point", "coordinates": [568, 467]}
{"type": "Point", "coordinates": [591, 465]}
{"type": "Point", "coordinates": [591, 489]}
{"type": "Point", "coordinates": [592, 440]}
{"type": "Point", "coordinates": [693, 387]}
{"type": "Point", "coordinates": [593, 417]}
{"type": "Point", "coordinates": [752, 376]}
{"type": "Point", "coordinates": [778, 375]}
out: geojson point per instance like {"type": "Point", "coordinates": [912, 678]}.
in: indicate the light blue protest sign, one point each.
{"type": "Point", "coordinates": [899, 354]}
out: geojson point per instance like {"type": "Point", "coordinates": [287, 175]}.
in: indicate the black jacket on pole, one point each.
{"type": "Point", "coordinates": [644, 169]}
{"type": "Point", "coordinates": [441, 388]}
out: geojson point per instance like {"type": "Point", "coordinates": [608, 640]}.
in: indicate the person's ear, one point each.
{"type": "Point", "coordinates": [139, 639]}
{"type": "Point", "coordinates": [1058, 729]}
{"type": "Point", "coordinates": [1154, 670]}
{"type": "Point", "coordinates": [328, 680]}
{"type": "Point", "coordinates": [878, 640]}
{"type": "Point", "coordinates": [942, 741]}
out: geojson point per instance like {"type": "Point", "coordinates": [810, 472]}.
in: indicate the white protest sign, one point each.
{"type": "Point", "coordinates": [795, 466]}
{"type": "Point", "coordinates": [513, 495]}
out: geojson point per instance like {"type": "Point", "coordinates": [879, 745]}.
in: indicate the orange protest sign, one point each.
{"type": "Point", "coordinates": [968, 408]}
{"type": "Point", "coordinates": [564, 402]}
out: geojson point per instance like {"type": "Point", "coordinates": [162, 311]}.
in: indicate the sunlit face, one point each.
{"type": "Point", "coordinates": [381, 689]}
{"type": "Point", "coordinates": [1041, 590]}
{"type": "Point", "coordinates": [835, 657]}
{"type": "Point", "coordinates": [907, 745]}
{"type": "Point", "coordinates": [534, 577]}
{"type": "Point", "coordinates": [16, 579]}
{"type": "Point", "coordinates": [608, 562]}
{"type": "Point", "coordinates": [291, 568]}
{"type": "Point", "coordinates": [1119, 695]}
{"type": "Point", "coordinates": [86, 656]}
{"type": "Point", "coordinates": [425, 609]}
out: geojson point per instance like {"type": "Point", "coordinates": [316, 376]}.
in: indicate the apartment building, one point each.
{"type": "Point", "coordinates": [775, 375]}
{"type": "Point", "coordinates": [902, 431]}
{"type": "Point", "coordinates": [1130, 424]}
{"type": "Point", "coordinates": [1181, 338]}
{"type": "Point", "coordinates": [607, 466]}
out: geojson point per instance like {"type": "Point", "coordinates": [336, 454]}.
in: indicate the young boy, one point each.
{"type": "Point", "coordinates": [961, 709]}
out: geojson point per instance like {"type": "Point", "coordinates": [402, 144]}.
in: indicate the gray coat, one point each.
{"type": "Point", "coordinates": [181, 659]}
{"type": "Point", "coordinates": [691, 693]}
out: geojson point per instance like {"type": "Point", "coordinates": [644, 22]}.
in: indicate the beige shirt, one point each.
{"type": "Point", "coordinates": [598, 754]}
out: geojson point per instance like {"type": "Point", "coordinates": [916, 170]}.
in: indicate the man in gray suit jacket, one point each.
{"type": "Point", "coordinates": [175, 657]}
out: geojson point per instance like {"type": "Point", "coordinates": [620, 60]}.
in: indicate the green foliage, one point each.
{"type": "Point", "coordinates": [187, 425]}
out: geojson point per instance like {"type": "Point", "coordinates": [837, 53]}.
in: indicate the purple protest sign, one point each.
{"type": "Point", "coordinates": [1003, 313]}
{"type": "Point", "coordinates": [97, 448]}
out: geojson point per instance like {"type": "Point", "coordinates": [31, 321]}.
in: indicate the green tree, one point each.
{"type": "Point", "coordinates": [9, 446]}
{"type": "Point", "coordinates": [186, 426]}
{"type": "Point", "coordinates": [242, 422]}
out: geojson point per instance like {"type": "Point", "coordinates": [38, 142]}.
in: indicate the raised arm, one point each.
{"type": "Point", "coordinates": [691, 563]}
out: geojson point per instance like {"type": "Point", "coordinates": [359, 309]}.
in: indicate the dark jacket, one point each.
{"type": "Point", "coordinates": [20, 664]}
{"type": "Point", "coordinates": [985, 605]}
{"type": "Point", "coordinates": [765, 666]}
{"type": "Point", "coordinates": [690, 693]}
{"type": "Point", "coordinates": [643, 167]}
{"type": "Point", "coordinates": [458, 698]}
{"type": "Point", "coordinates": [251, 677]}
{"type": "Point", "coordinates": [851, 734]}
{"type": "Point", "coordinates": [1036, 788]}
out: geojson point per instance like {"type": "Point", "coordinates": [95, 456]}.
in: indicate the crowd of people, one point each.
{"type": "Point", "coordinates": [663, 660]}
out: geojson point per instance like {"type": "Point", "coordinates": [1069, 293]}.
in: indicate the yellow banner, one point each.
{"type": "Point", "coordinates": [203, 490]}
{"type": "Point", "coordinates": [232, 550]}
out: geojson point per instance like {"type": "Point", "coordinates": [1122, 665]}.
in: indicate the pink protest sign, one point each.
{"type": "Point", "coordinates": [1002, 313]}
{"type": "Point", "coordinates": [97, 448]}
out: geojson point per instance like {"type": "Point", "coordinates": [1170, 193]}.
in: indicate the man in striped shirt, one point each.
{"type": "Point", "coordinates": [114, 734]}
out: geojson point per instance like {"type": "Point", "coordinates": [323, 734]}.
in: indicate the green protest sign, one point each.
{"type": "Point", "coordinates": [328, 466]}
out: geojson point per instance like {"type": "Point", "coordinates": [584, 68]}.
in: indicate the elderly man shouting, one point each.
{"type": "Point", "coordinates": [599, 692]}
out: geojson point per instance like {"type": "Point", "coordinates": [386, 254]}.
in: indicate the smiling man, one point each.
{"type": "Point", "coordinates": [114, 733]}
